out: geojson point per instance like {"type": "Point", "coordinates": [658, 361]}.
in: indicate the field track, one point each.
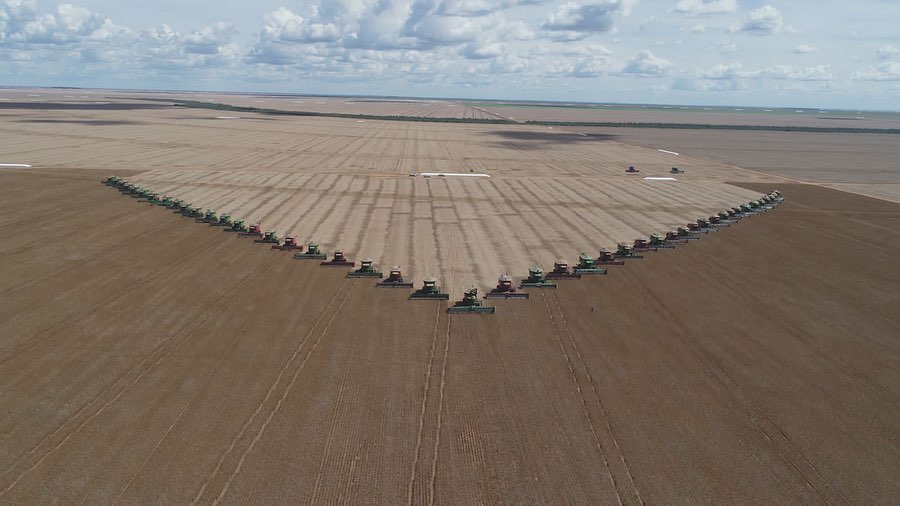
{"type": "Point", "coordinates": [146, 358]}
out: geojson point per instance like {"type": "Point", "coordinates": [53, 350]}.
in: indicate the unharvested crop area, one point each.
{"type": "Point", "coordinates": [346, 183]}
{"type": "Point", "coordinates": [146, 358]}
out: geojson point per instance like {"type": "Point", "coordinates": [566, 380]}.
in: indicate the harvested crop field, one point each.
{"type": "Point", "coordinates": [346, 184]}
{"type": "Point", "coordinates": [146, 358]}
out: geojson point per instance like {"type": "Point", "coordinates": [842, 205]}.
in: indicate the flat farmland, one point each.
{"type": "Point", "coordinates": [346, 183]}
{"type": "Point", "coordinates": [859, 163]}
{"type": "Point", "coordinates": [146, 358]}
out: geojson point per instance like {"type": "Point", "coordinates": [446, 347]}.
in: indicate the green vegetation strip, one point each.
{"type": "Point", "coordinates": [683, 126]}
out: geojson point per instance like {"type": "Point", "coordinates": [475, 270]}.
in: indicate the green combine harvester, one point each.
{"type": "Point", "coordinates": [429, 291]}
{"type": "Point", "coordinates": [194, 212]}
{"type": "Point", "coordinates": [237, 226]}
{"type": "Point", "coordinates": [470, 304]}
{"type": "Point", "coordinates": [366, 270]}
{"type": "Point", "coordinates": [271, 237]}
{"type": "Point", "coordinates": [209, 217]}
{"type": "Point", "coordinates": [536, 279]}
{"type": "Point", "coordinates": [224, 221]}
{"type": "Point", "coordinates": [312, 252]}
{"type": "Point", "coordinates": [586, 265]}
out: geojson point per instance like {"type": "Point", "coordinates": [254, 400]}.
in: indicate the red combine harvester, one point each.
{"type": "Point", "coordinates": [290, 244]}
{"type": "Point", "coordinates": [394, 280]}
{"type": "Point", "coordinates": [505, 290]}
{"type": "Point", "coordinates": [561, 271]}
{"type": "Point", "coordinates": [338, 260]}
{"type": "Point", "coordinates": [607, 257]}
{"type": "Point", "coordinates": [253, 231]}
{"type": "Point", "coordinates": [641, 244]}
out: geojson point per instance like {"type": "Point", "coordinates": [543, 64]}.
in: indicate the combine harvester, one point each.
{"type": "Point", "coordinates": [238, 226]}
{"type": "Point", "coordinates": [429, 291]}
{"type": "Point", "coordinates": [660, 241]}
{"type": "Point", "coordinates": [290, 244]}
{"type": "Point", "coordinates": [210, 218]}
{"type": "Point", "coordinates": [642, 245]}
{"type": "Point", "coordinates": [631, 170]}
{"type": "Point", "coordinates": [338, 260]}
{"type": "Point", "coordinates": [608, 257]}
{"type": "Point", "coordinates": [561, 271]}
{"type": "Point", "coordinates": [470, 304]}
{"type": "Point", "coordinates": [224, 221]}
{"type": "Point", "coordinates": [625, 250]}
{"type": "Point", "coordinates": [505, 290]}
{"type": "Point", "coordinates": [312, 252]}
{"type": "Point", "coordinates": [586, 265]}
{"type": "Point", "coordinates": [271, 237]}
{"type": "Point", "coordinates": [676, 170]}
{"type": "Point", "coordinates": [536, 279]}
{"type": "Point", "coordinates": [394, 280]}
{"type": "Point", "coordinates": [366, 270]}
{"type": "Point", "coordinates": [252, 231]}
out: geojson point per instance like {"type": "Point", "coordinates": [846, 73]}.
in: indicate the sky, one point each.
{"type": "Point", "coordinates": [822, 53]}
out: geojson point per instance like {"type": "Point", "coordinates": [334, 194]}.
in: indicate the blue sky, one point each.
{"type": "Point", "coordinates": [824, 53]}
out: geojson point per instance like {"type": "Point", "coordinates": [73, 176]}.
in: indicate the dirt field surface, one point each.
{"type": "Point", "coordinates": [146, 358]}
{"type": "Point", "coordinates": [346, 183]}
{"type": "Point", "coordinates": [859, 163]}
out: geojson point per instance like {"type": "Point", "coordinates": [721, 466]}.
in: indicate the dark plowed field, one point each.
{"type": "Point", "coordinates": [146, 358]}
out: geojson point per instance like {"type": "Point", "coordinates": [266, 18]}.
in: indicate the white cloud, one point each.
{"type": "Point", "coordinates": [805, 49]}
{"type": "Point", "coordinates": [705, 7]}
{"type": "Point", "coordinates": [588, 18]}
{"type": "Point", "coordinates": [726, 46]}
{"type": "Point", "coordinates": [887, 52]}
{"type": "Point", "coordinates": [698, 29]}
{"type": "Point", "coordinates": [766, 20]}
{"type": "Point", "coordinates": [733, 71]}
{"type": "Point", "coordinates": [478, 7]}
{"type": "Point", "coordinates": [886, 71]}
{"type": "Point", "coordinates": [21, 23]}
{"type": "Point", "coordinates": [646, 64]}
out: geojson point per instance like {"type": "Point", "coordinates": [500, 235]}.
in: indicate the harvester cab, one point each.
{"type": "Point", "coordinates": [608, 257]}
{"type": "Point", "coordinates": [366, 270]}
{"type": "Point", "coordinates": [270, 237]}
{"type": "Point", "coordinates": [430, 291]}
{"type": "Point", "coordinates": [536, 279]}
{"type": "Point", "coordinates": [631, 170]}
{"type": "Point", "coordinates": [586, 265]}
{"type": "Point", "coordinates": [470, 304]}
{"type": "Point", "coordinates": [312, 252]}
{"type": "Point", "coordinates": [676, 170]}
{"type": "Point", "coordinates": [195, 212]}
{"type": "Point", "coordinates": [394, 279]}
{"type": "Point", "coordinates": [505, 289]}
{"type": "Point", "coordinates": [561, 271]}
{"type": "Point", "coordinates": [224, 221]}
{"type": "Point", "coordinates": [290, 244]}
{"type": "Point", "coordinates": [625, 250]}
{"type": "Point", "coordinates": [338, 260]}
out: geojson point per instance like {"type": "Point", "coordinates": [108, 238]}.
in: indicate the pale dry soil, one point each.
{"type": "Point", "coordinates": [346, 184]}
{"type": "Point", "coordinates": [145, 358]}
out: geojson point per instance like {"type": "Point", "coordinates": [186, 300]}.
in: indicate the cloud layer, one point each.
{"type": "Point", "coordinates": [618, 50]}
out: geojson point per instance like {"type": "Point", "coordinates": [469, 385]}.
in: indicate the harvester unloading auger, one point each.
{"type": "Point", "coordinates": [366, 270]}
{"type": "Point", "coordinates": [536, 279]}
{"type": "Point", "coordinates": [429, 291]}
{"type": "Point", "coordinates": [505, 289]}
{"type": "Point", "coordinates": [394, 280]}
{"type": "Point", "coordinates": [470, 304]}
{"type": "Point", "coordinates": [312, 252]}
